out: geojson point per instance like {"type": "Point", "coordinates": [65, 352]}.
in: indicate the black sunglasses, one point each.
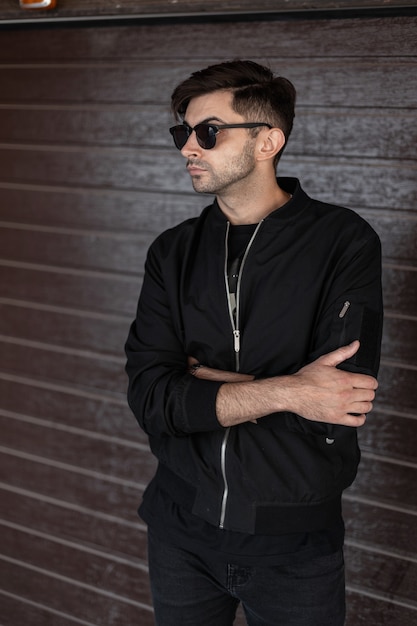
{"type": "Point", "coordinates": [205, 133]}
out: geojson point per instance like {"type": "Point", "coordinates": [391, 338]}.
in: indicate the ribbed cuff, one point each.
{"type": "Point", "coordinates": [199, 406]}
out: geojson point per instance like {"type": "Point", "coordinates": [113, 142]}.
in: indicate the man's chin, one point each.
{"type": "Point", "coordinates": [200, 187]}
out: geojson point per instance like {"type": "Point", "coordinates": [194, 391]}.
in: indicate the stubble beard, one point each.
{"type": "Point", "coordinates": [236, 171]}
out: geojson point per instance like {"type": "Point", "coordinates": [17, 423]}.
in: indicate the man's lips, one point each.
{"type": "Point", "coordinates": [194, 170]}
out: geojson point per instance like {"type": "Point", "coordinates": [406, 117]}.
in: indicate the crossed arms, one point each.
{"type": "Point", "coordinates": [166, 401]}
{"type": "Point", "coordinates": [319, 392]}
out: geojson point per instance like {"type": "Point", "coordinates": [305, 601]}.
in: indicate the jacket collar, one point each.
{"type": "Point", "coordinates": [289, 211]}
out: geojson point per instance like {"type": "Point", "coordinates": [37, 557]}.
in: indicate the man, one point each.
{"type": "Point", "coordinates": [251, 362]}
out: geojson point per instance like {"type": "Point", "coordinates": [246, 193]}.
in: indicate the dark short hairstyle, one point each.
{"type": "Point", "coordinates": [258, 95]}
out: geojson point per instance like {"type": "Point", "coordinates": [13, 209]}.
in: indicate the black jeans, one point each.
{"type": "Point", "coordinates": [189, 590]}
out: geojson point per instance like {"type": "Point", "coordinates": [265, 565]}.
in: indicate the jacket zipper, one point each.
{"type": "Point", "coordinates": [236, 347]}
{"type": "Point", "coordinates": [344, 309]}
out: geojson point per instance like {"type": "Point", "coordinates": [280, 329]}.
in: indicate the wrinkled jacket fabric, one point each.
{"type": "Point", "coordinates": [307, 260]}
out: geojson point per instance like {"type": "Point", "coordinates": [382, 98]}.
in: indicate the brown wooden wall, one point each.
{"type": "Point", "coordinates": [88, 177]}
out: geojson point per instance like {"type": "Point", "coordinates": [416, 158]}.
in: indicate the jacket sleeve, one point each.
{"type": "Point", "coordinates": [165, 399]}
{"type": "Point", "coordinates": [352, 309]}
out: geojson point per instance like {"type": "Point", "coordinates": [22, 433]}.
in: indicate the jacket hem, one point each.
{"type": "Point", "coordinates": [269, 519]}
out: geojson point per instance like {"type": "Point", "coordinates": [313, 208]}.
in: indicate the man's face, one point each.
{"type": "Point", "coordinates": [228, 166]}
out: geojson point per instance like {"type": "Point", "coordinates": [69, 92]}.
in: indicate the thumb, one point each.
{"type": "Point", "coordinates": [341, 354]}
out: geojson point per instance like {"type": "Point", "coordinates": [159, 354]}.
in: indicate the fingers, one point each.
{"type": "Point", "coordinates": [341, 354]}
{"type": "Point", "coordinates": [363, 381]}
{"type": "Point", "coordinates": [362, 401]}
{"type": "Point", "coordinates": [359, 405]}
{"type": "Point", "coordinates": [355, 421]}
{"type": "Point", "coordinates": [332, 359]}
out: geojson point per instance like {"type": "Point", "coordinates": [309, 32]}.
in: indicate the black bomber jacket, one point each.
{"type": "Point", "coordinates": [310, 282]}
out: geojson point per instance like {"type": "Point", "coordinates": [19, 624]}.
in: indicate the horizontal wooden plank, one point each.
{"type": "Point", "coordinates": [370, 133]}
{"type": "Point", "coordinates": [54, 364]}
{"type": "Point", "coordinates": [95, 292]}
{"type": "Point", "coordinates": [18, 611]}
{"type": "Point", "coordinates": [392, 578]}
{"type": "Point", "coordinates": [116, 125]}
{"type": "Point", "coordinates": [390, 435]}
{"type": "Point", "coordinates": [82, 332]}
{"type": "Point", "coordinates": [125, 578]}
{"type": "Point", "coordinates": [83, 603]}
{"type": "Point", "coordinates": [370, 184]}
{"type": "Point", "coordinates": [76, 490]}
{"type": "Point", "coordinates": [347, 37]}
{"type": "Point", "coordinates": [97, 209]}
{"type": "Point", "coordinates": [98, 413]}
{"type": "Point", "coordinates": [79, 526]}
{"type": "Point", "coordinates": [400, 295]}
{"type": "Point", "coordinates": [397, 389]}
{"type": "Point", "coordinates": [399, 338]}
{"type": "Point", "coordinates": [397, 231]}
{"type": "Point", "coordinates": [82, 9]}
{"type": "Point", "coordinates": [387, 184]}
{"type": "Point", "coordinates": [319, 81]}
{"type": "Point", "coordinates": [354, 132]}
{"type": "Point", "coordinates": [109, 82]}
{"type": "Point", "coordinates": [364, 610]}
{"type": "Point", "coordinates": [116, 253]}
{"type": "Point", "coordinates": [96, 167]}
{"type": "Point", "coordinates": [309, 87]}
{"type": "Point", "coordinates": [384, 480]}
{"type": "Point", "coordinates": [380, 527]}
{"type": "Point", "coordinates": [110, 458]}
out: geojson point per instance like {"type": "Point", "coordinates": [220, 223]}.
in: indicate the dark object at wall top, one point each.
{"type": "Point", "coordinates": [104, 10]}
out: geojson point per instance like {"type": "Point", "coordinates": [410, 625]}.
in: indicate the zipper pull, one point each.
{"type": "Point", "coordinates": [236, 335]}
{"type": "Point", "coordinates": [344, 309]}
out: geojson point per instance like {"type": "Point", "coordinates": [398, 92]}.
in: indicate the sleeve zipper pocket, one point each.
{"type": "Point", "coordinates": [344, 309]}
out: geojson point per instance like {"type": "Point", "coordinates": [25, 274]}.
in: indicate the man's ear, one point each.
{"type": "Point", "coordinates": [269, 143]}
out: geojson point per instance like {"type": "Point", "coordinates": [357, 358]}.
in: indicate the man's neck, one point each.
{"type": "Point", "coordinates": [252, 208]}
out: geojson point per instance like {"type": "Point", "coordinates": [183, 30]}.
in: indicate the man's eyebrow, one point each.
{"type": "Point", "coordinates": [208, 120]}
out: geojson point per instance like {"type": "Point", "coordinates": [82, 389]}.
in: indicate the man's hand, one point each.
{"type": "Point", "coordinates": [318, 392]}
{"type": "Point", "coordinates": [327, 394]}
{"type": "Point", "coordinates": [210, 373]}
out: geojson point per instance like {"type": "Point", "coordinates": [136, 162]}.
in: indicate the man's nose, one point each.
{"type": "Point", "coordinates": [191, 146]}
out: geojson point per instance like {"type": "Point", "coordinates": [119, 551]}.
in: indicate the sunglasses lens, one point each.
{"type": "Point", "coordinates": [206, 135]}
{"type": "Point", "coordinates": [180, 135]}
